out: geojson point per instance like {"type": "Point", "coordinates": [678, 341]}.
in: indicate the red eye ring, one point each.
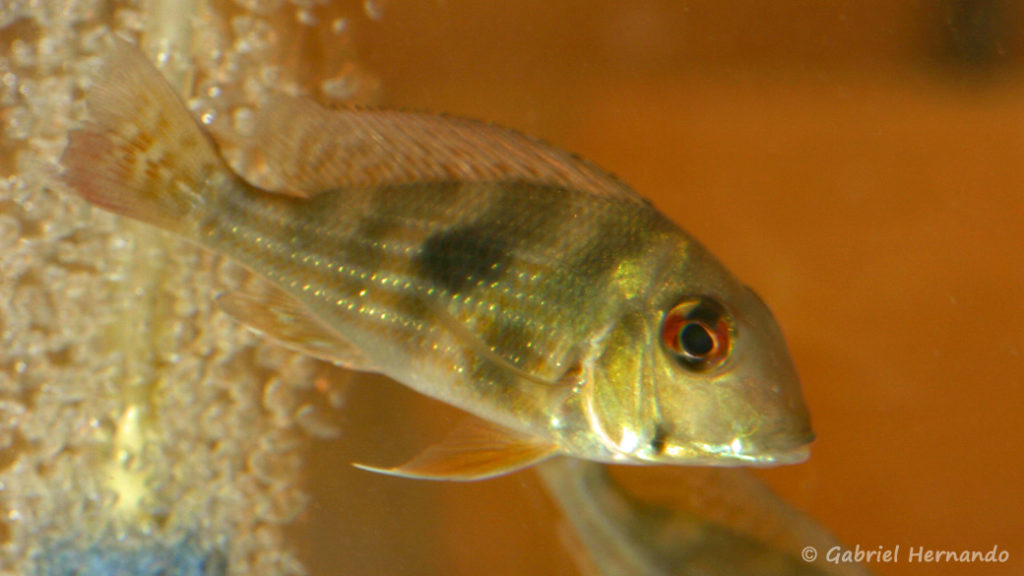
{"type": "Point", "coordinates": [698, 333]}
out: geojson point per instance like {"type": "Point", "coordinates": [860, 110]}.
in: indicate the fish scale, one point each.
{"type": "Point", "coordinates": [481, 267]}
{"type": "Point", "coordinates": [235, 219]}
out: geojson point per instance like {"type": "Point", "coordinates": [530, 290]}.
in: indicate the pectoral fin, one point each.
{"type": "Point", "coordinates": [474, 343]}
{"type": "Point", "coordinates": [474, 451]}
{"type": "Point", "coordinates": [270, 310]}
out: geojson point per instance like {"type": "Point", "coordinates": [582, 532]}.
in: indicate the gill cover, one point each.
{"type": "Point", "coordinates": [621, 406]}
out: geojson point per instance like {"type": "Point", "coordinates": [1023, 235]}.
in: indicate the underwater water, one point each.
{"type": "Point", "coordinates": [854, 162]}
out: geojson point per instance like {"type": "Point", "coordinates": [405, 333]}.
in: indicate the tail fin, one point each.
{"type": "Point", "coordinates": [143, 156]}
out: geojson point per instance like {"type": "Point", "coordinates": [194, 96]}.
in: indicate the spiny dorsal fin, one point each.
{"type": "Point", "coordinates": [309, 149]}
{"type": "Point", "coordinates": [270, 310]}
{"type": "Point", "coordinates": [475, 450]}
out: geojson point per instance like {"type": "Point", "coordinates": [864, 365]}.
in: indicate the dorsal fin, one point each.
{"type": "Point", "coordinates": [308, 148]}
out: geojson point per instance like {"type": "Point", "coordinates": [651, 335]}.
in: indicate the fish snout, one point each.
{"type": "Point", "coordinates": [789, 444]}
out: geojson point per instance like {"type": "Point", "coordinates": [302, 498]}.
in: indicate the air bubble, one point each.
{"type": "Point", "coordinates": [270, 75]}
{"type": "Point", "coordinates": [243, 120]}
{"type": "Point", "coordinates": [65, 315]}
{"type": "Point", "coordinates": [316, 424]}
{"type": "Point", "coordinates": [260, 6]}
{"type": "Point", "coordinates": [374, 9]}
{"type": "Point", "coordinates": [22, 54]}
{"type": "Point", "coordinates": [283, 504]}
{"type": "Point", "coordinates": [273, 467]}
{"type": "Point", "coordinates": [351, 84]}
{"type": "Point", "coordinates": [251, 34]}
{"type": "Point", "coordinates": [278, 398]}
{"type": "Point", "coordinates": [34, 301]}
{"type": "Point", "coordinates": [8, 88]}
{"type": "Point", "coordinates": [128, 19]}
{"type": "Point", "coordinates": [10, 231]}
{"type": "Point", "coordinates": [11, 413]}
{"type": "Point", "coordinates": [6, 440]}
{"type": "Point", "coordinates": [92, 40]}
{"type": "Point", "coordinates": [49, 48]}
{"type": "Point", "coordinates": [342, 87]}
{"type": "Point", "coordinates": [306, 18]}
{"type": "Point", "coordinates": [184, 307]}
{"type": "Point", "coordinates": [276, 562]}
{"type": "Point", "coordinates": [21, 124]}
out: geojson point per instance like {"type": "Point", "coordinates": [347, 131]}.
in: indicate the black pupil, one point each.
{"type": "Point", "coordinates": [696, 339]}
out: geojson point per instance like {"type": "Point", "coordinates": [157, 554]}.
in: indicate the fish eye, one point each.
{"type": "Point", "coordinates": [698, 333]}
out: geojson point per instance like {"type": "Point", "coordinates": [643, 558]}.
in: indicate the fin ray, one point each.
{"type": "Point", "coordinates": [270, 310]}
{"type": "Point", "coordinates": [142, 155]}
{"type": "Point", "coordinates": [476, 450]}
{"type": "Point", "coordinates": [309, 149]}
{"type": "Point", "coordinates": [468, 337]}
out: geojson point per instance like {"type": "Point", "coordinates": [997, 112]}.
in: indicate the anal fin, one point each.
{"type": "Point", "coordinates": [270, 310]}
{"type": "Point", "coordinates": [476, 450]}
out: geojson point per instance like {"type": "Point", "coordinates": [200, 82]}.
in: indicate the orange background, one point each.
{"type": "Point", "coordinates": [858, 163]}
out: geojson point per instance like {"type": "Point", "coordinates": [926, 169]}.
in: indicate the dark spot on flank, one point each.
{"type": "Point", "coordinates": [463, 257]}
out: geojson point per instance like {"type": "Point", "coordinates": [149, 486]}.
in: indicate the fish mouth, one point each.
{"type": "Point", "coordinates": [740, 452]}
{"type": "Point", "coordinates": [785, 449]}
{"type": "Point", "coordinates": [718, 456]}
{"type": "Point", "coordinates": [781, 458]}
{"type": "Point", "coordinates": [782, 449]}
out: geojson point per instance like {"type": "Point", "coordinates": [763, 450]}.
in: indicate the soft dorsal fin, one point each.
{"type": "Point", "coordinates": [476, 450]}
{"type": "Point", "coordinates": [308, 148]}
{"type": "Point", "coordinates": [270, 310]}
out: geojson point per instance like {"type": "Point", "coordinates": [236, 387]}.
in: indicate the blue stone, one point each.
{"type": "Point", "coordinates": [133, 557]}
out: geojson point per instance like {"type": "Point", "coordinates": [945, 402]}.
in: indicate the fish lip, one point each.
{"type": "Point", "coordinates": [785, 457]}
{"type": "Point", "coordinates": [764, 459]}
{"type": "Point", "coordinates": [727, 455]}
{"type": "Point", "coordinates": [797, 449]}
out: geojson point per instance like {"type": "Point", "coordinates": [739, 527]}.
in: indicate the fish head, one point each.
{"type": "Point", "coordinates": [696, 372]}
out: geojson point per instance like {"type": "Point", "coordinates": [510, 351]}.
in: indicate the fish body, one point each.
{"type": "Point", "coordinates": [473, 264]}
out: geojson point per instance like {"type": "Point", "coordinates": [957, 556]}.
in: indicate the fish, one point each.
{"type": "Point", "coordinates": [686, 521]}
{"type": "Point", "coordinates": [476, 265]}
